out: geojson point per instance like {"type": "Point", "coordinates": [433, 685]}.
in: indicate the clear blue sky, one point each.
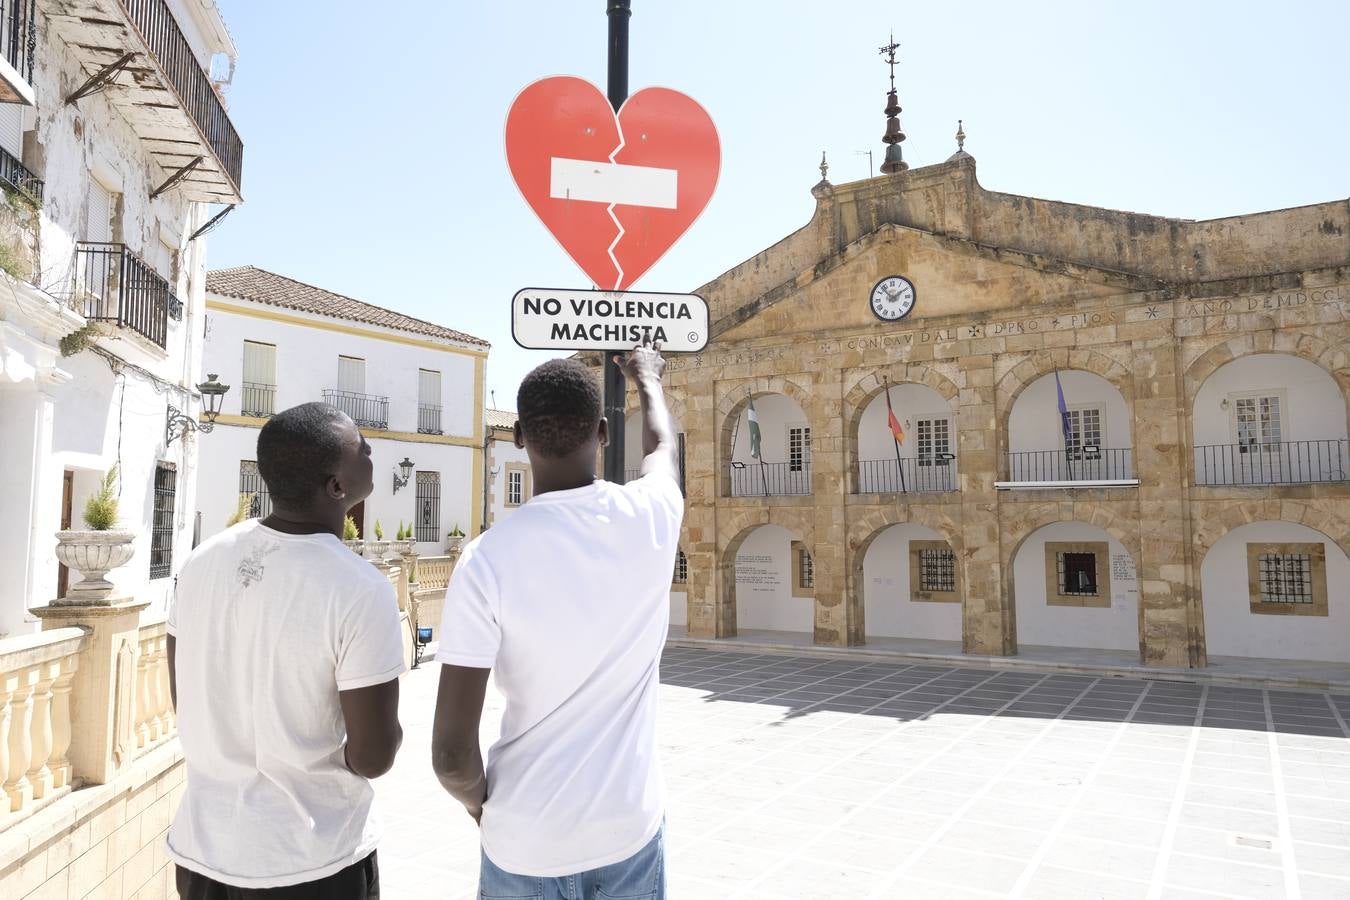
{"type": "Point", "coordinates": [374, 166]}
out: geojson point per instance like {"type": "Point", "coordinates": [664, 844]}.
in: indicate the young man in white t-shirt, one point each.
{"type": "Point", "coordinates": [284, 656]}
{"type": "Point", "coordinates": [568, 603]}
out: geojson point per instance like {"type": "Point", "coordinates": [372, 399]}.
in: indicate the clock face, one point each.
{"type": "Point", "coordinates": [892, 298]}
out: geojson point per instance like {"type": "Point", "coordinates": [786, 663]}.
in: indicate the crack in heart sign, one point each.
{"type": "Point", "coordinates": [616, 191]}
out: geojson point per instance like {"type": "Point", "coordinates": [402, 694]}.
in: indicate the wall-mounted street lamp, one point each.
{"type": "Point", "coordinates": [407, 467]}
{"type": "Point", "coordinates": [177, 423]}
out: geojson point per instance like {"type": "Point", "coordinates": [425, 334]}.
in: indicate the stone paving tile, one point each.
{"type": "Point", "coordinates": [802, 777]}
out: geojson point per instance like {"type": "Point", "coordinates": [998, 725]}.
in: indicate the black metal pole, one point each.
{"type": "Point", "coordinates": [616, 391]}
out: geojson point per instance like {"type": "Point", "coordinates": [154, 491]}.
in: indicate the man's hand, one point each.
{"type": "Point", "coordinates": [643, 361]}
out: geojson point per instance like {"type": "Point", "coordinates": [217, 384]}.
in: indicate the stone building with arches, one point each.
{"type": "Point", "coordinates": [1189, 495]}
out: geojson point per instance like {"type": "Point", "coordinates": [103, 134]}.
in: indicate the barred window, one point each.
{"type": "Point", "coordinates": [937, 570]}
{"type": "Point", "coordinates": [429, 506]}
{"type": "Point", "coordinates": [808, 570]}
{"type": "Point", "coordinates": [252, 486]}
{"type": "Point", "coordinates": [161, 528]}
{"type": "Point", "coordinates": [1077, 574]}
{"type": "Point", "coordinates": [1286, 578]}
{"type": "Point", "coordinates": [681, 568]}
{"type": "Point", "coordinates": [515, 487]}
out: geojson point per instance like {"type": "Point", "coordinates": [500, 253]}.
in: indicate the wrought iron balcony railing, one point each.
{"type": "Point", "coordinates": [886, 476]}
{"type": "Point", "coordinates": [1282, 462]}
{"type": "Point", "coordinates": [257, 399]}
{"type": "Point", "coordinates": [161, 34]}
{"type": "Point", "coordinates": [112, 284]}
{"type": "Point", "coordinates": [366, 410]}
{"type": "Point", "coordinates": [770, 479]}
{"type": "Point", "coordinates": [17, 176]}
{"type": "Point", "coordinates": [1075, 464]}
{"type": "Point", "coordinates": [18, 37]}
{"type": "Point", "coordinates": [429, 418]}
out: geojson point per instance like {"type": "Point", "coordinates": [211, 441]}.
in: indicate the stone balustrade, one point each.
{"type": "Point", "coordinates": [36, 672]}
{"type": "Point", "coordinates": [154, 721]}
{"type": "Point", "coordinates": [433, 572]}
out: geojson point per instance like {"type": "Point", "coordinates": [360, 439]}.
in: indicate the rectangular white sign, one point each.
{"type": "Point", "coordinates": [604, 182]}
{"type": "Point", "coordinates": [562, 319]}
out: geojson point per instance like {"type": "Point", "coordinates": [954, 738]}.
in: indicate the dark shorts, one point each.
{"type": "Point", "coordinates": [359, 881]}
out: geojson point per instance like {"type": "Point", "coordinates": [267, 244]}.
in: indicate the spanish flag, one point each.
{"type": "Point", "coordinates": [891, 420]}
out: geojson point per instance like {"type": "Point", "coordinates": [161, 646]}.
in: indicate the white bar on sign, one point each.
{"type": "Point", "coordinates": [606, 182]}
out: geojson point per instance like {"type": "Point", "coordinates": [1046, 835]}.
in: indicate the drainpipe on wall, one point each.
{"type": "Point", "coordinates": [487, 477]}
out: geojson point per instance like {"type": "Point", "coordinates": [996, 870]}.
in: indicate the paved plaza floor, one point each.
{"type": "Point", "coordinates": [807, 776]}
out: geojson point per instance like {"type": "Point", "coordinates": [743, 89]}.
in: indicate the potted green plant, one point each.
{"type": "Point", "coordinates": [378, 548]}
{"type": "Point", "coordinates": [454, 540]}
{"type": "Point", "coordinates": [351, 537]}
{"type": "Point", "coordinates": [403, 544]}
{"type": "Point", "coordinates": [242, 510]}
{"type": "Point", "coordinates": [97, 550]}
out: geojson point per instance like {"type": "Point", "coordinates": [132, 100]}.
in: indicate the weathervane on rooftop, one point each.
{"type": "Point", "coordinates": [894, 161]}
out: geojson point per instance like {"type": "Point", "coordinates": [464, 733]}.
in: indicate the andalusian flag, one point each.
{"type": "Point", "coordinates": [891, 420]}
{"type": "Point", "coordinates": [754, 431]}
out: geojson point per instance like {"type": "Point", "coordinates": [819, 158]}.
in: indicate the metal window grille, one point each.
{"type": "Point", "coordinates": [681, 567]}
{"type": "Point", "coordinates": [428, 506]}
{"type": "Point", "coordinates": [937, 570]}
{"type": "Point", "coordinates": [934, 439]}
{"type": "Point", "coordinates": [1077, 574]}
{"type": "Point", "coordinates": [251, 485]}
{"type": "Point", "coordinates": [808, 569]}
{"type": "Point", "coordinates": [799, 448]}
{"type": "Point", "coordinates": [161, 528]}
{"type": "Point", "coordinates": [1286, 578]}
{"type": "Point", "coordinates": [515, 487]}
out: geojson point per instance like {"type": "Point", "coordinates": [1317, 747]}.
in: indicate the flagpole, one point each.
{"type": "Point", "coordinates": [899, 465]}
{"type": "Point", "coordinates": [762, 478]}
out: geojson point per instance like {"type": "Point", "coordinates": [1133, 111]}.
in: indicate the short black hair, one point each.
{"type": "Point", "coordinates": [298, 449]}
{"type": "Point", "coordinates": [559, 407]}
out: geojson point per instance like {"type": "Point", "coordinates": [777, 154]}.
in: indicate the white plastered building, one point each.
{"type": "Point", "coordinates": [116, 150]}
{"type": "Point", "coordinates": [415, 388]}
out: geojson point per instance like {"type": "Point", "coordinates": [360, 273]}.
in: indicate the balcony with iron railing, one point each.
{"type": "Point", "coordinates": [1086, 466]}
{"type": "Point", "coordinates": [905, 476]}
{"type": "Point", "coordinates": [160, 88]}
{"type": "Point", "coordinates": [1273, 463]}
{"type": "Point", "coordinates": [769, 479]}
{"type": "Point", "coordinates": [256, 399]}
{"type": "Point", "coordinates": [366, 410]}
{"type": "Point", "coordinates": [114, 285]}
{"type": "Point", "coordinates": [18, 47]}
{"type": "Point", "coordinates": [429, 418]}
{"type": "Point", "coordinates": [15, 174]}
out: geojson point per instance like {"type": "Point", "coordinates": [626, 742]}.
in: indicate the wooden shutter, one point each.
{"type": "Point", "coordinates": [11, 129]}
{"type": "Point", "coordinates": [260, 363]}
{"type": "Point", "coordinates": [351, 374]}
{"type": "Point", "coordinates": [428, 387]}
{"type": "Point", "coordinates": [98, 228]}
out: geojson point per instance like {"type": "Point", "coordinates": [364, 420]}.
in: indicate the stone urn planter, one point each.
{"type": "Point", "coordinates": [453, 543]}
{"type": "Point", "coordinates": [377, 549]}
{"type": "Point", "coordinates": [357, 546]}
{"type": "Point", "coordinates": [93, 554]}
{"type": "Point", "coordinates": [403, 548]}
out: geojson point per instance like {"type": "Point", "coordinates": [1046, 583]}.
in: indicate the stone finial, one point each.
{"type": "Point", "coordinates": [823, 188]}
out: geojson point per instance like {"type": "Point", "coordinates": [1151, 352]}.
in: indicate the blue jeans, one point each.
{"type": "Point", "coordinates": [641, 876]}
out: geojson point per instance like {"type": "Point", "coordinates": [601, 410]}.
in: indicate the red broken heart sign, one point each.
{"type": "Point", "coordinates": [616, 191]}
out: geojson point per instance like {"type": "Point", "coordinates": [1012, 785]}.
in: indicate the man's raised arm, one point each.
{"type": "Point", "coordinates": [644, 367]}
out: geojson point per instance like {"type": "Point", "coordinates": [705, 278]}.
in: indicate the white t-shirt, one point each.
{"type": "Point", "coordinates": [269, 627]}
{"type": "Point", "coordinates": [568, 601]}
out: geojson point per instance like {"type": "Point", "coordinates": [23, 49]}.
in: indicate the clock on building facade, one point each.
{"type": "Point", "coordinates": [892, 298]}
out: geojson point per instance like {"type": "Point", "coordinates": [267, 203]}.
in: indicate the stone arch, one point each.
{"type": "Point", "coordinates": [871, 384]}
{"type": "Point", "coordinates": [1334, 357]}
{"type": "Point", "coordinates": [1211, 521]}
{"type": "Point", "coordinates": [867, 528]}
{"type": "Point", "coordinates": [1114, 519]}
{"type": "Point", "coordinates": [736, 397]}
{"type": "Point", "coordinates": [674, 402]}
{"type": "Point", "coordinates": [1044, 362]}
{"type": "Point", "coordinates": [738, 524]}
